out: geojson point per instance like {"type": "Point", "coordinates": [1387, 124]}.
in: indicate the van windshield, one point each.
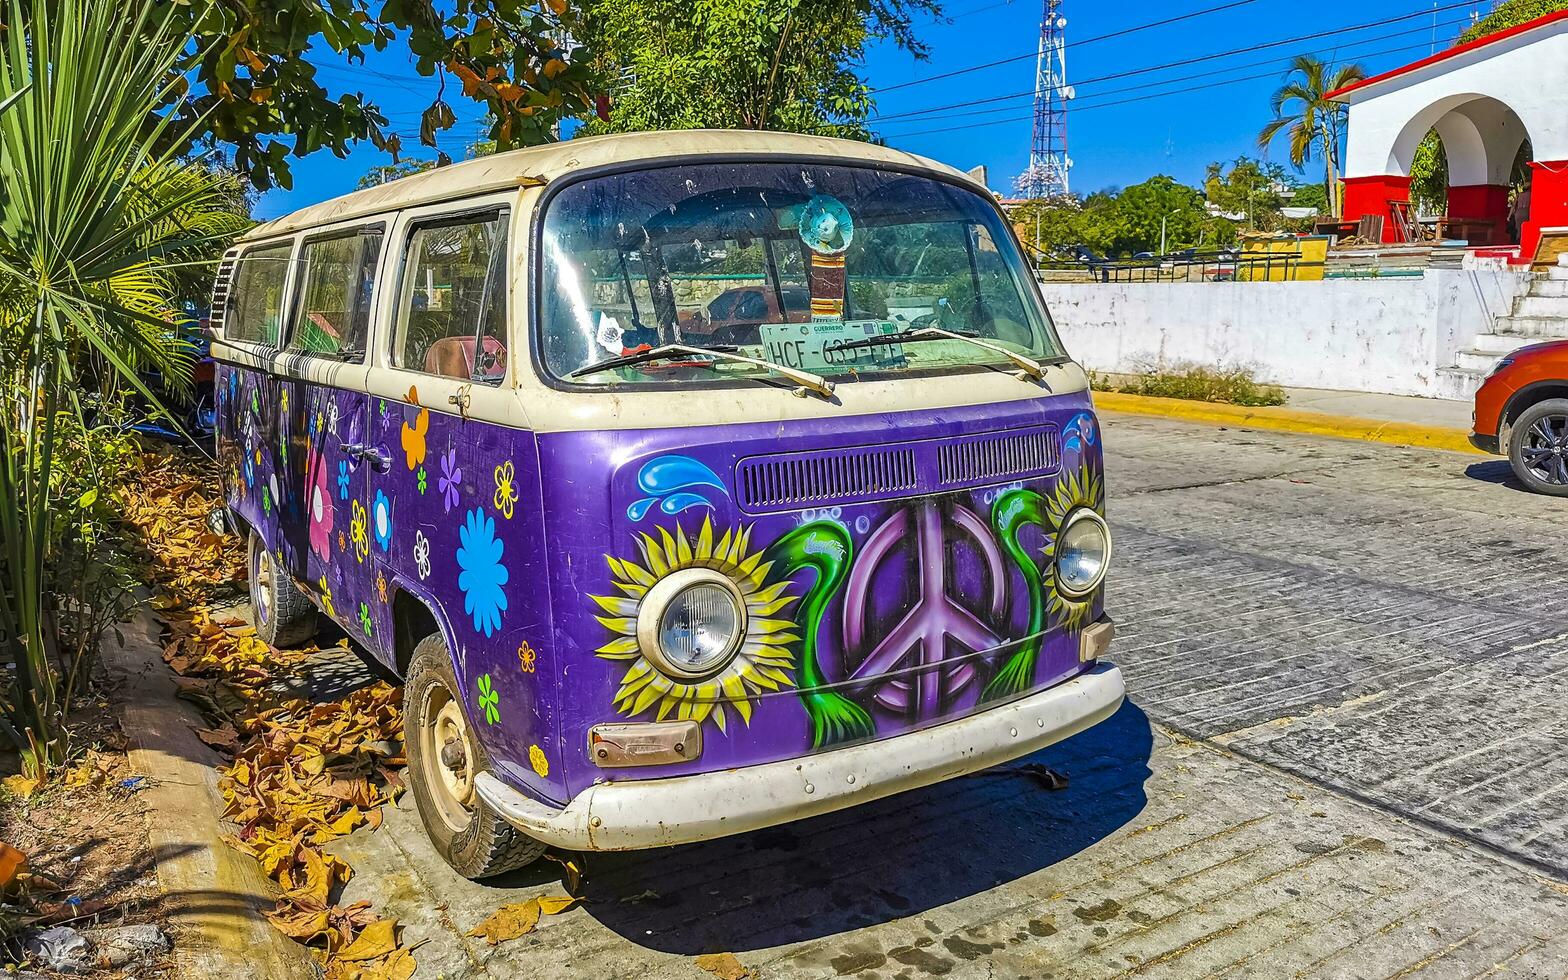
{"type": "Point", "coordinates": [785, 261]}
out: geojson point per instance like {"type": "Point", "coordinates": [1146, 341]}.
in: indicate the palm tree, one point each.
{"type": "Point", "coordinates": [99, 220]}
{"type": "Point", "coordinates": [1312, 121]}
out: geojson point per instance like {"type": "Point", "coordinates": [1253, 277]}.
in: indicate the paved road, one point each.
{"type": "Point", "coordinates": [1343, 756]}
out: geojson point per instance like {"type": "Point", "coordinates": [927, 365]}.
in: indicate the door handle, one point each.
{"type": "Point", "coordinates": [363, 452]}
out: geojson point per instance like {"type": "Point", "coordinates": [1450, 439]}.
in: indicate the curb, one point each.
{"type": "Point", "coordinates": [1282, 419]}
{"type": "Point", "coordinates": [215, 896]}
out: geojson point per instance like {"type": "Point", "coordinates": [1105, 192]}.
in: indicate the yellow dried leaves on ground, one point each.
{"type": "Point", "coordinates": [303, 773]}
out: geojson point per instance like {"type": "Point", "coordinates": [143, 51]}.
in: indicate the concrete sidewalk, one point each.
{"type": "Point", "coordinates": [1397, 420]}
{"type": "Point", "coordinates": [1441, 412]}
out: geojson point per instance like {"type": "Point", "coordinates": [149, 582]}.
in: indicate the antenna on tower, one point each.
{"type": "Point", "coordinates": [1048, 160]}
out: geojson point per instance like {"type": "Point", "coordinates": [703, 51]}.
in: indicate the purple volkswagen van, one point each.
{"type": "Point", "coordinates": [648, 582]}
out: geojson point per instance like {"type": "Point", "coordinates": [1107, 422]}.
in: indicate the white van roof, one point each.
{"type": "Point", "coordinates": [542, 164]}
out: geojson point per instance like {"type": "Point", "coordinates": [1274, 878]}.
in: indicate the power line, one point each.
{"type": "Point", "coordinates": [1177, 64]}
{"type": "Point", "coordinates": [906, 116]}
{"type": "Point", "coordinates": [1120, 102]}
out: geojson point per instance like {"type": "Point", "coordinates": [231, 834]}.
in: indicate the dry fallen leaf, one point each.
{"type": "Point", "coordinates": [12, 863]}
{"type": "Point", "coordinates": [519, 919]}
{"type": "Point", "coordinates": [23, 786]}
{"type": "Point", "coordinates": [374, 941]}
{"type": "Point", "coordinates": [724, 966]}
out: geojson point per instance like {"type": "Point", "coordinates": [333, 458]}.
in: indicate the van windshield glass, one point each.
{"type": "Point", "coordinates": [786, 261]}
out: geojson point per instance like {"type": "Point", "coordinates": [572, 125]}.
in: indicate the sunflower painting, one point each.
{"type": "Point", "coordinates": [1081, 487]}
{"type": "Point", "coordinates": [763, 662]}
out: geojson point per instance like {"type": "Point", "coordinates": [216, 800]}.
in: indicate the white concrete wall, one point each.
{"type": "Point", "coordinates": [1379, 335]}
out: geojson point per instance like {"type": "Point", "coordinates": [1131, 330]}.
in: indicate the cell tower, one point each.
{"type": "Point", "coordinates": [1048, 160]}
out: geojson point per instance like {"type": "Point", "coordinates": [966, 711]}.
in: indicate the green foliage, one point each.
{"type": "Point", "coordinates": [392, 171]}
{"type": "Point", "coordinates": [1511, 13]}
{"type": "Point", "coordinates": [1121, 223]}
{"type": "Point", "coordinates": [743, 64]}
{"type": "Point", "coordinates": [1231, 385]}
{"type": "Point", "coordinates": [99, 221]}
{"type": "Point", "coordinates": [254, 86]}
{"type": "Point", "coordinates": [1251, 189]}
{"type": "Point", "coordinates": [1312, 123]}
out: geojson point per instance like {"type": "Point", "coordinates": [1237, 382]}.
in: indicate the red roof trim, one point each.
{"type": "Point", "coordinates": [1479, 42]}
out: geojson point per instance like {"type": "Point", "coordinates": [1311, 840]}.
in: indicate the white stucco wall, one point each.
{"type": "Point", "coordinates": [1527, 73]}
{"type": "Point", "coordinates": [1379, 335]}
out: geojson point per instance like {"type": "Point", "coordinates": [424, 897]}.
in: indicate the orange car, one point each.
{"type": "Point", "coordinates": [1521, 411]}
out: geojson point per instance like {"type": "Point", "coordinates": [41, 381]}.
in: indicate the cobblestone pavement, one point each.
{"type": "Point", "coordinates": [1343, 756]}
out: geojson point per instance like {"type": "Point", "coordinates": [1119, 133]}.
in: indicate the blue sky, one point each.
{"type": "Point", "coordinates": [1111, 145]}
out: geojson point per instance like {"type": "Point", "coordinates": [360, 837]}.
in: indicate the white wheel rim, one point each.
{"type": "Point", "coordinates": [451, 786]}
{"type": "Point", "coordinates": [263, 596]}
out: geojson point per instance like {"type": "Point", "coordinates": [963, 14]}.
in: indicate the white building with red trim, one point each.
{"type": "Point", "coordinates": [1484, 98]}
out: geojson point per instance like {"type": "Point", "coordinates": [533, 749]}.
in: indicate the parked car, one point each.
{"type": "Point", "coordinates": [1521, 411]}
{"type": "Point", "coordinates": [736, 315]}
{"type": "Point", "coordinates": [654, 596]}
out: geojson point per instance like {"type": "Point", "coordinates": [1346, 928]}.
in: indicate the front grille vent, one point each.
{"type": "Point", "coordinates": [833, 477]}
{"type": "Point", "coordinates": [1012, 455]}
{"type": "Point", "coordinates": [843, 476]}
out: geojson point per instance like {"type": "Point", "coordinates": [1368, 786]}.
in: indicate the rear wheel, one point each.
{"type": "Point", "coordinates": [284, 617]}
{"type": "Point", "coordinates": [1538, 447]}
{"type": "Point", "coordinates": [444, 756]}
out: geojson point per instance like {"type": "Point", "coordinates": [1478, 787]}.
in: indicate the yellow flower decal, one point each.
{"type": "Point", "coordinates": [526, 658]}
{"type": "Point", "coordinates": [381, 586]}
{"type": "Point", "coordinates": [764, 659]}
{"type": "Point", "coordinates": [1082, 487]}
{"type": "Point", "coordinates": [505, 495]}
{"type": "Point", "coordinates": [326, 597]}
{"type": "Point", "coordinates": [538, 761]}
{"type": "Point", "coordinates": [357, 530]}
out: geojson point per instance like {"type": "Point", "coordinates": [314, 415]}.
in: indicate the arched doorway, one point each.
{"type": "Point", "coordinates": [1468, 167]}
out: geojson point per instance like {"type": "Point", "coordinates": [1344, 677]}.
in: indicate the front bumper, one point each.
{"type": "Point", "coordinates": [1485, 443]}
{"type": "Point", "coordinates": [636, 814]}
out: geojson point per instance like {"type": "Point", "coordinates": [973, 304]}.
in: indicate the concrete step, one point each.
{"type": "Point", "coordinates": [1543, 287]}
{"type": "Point", "coordinates": [1548, 327]}
{"type": "Point", "coordinates": [1458, 382]}
{"type": "Point", "coordinates": [1558, 272]}
{"type": "Point", "coordinates": [1501, 343]}
{"type": "Point", "coordinates": [1543, 306]}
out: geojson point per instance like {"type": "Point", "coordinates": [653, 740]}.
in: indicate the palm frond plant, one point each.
{"type": "Point", "coordinates": [100, 218]}
{"type": "Point", "coordinates": [1313, 123]}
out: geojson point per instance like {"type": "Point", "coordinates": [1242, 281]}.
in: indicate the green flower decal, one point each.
{"type": "Point", "coordinates": [255, 402]}
{"type": "Point", "coordinates": [266, 501]}
{"type": "Point", "coordinates": [364, 618]}
{"type": "Point", "coordinates": [489, 700]}
{"type": "Point", "coordinates": [421, 475]}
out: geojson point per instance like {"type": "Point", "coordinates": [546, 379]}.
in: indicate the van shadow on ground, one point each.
{"type": "Point", "coordinates": [891, 859]}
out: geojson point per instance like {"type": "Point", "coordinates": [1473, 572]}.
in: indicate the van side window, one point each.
{"type": "Point", "coordinates": [451, 317]}
{"type": "Point", "coordinates": [255, 304]}
{"type": "Point", "coordinates": [339, 276]}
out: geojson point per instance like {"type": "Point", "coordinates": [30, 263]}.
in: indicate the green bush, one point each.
{"type": "Point", "coordinates": [1195, 382]}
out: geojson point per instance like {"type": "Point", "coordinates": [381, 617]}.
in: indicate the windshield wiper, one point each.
{"type": "Point", "coordinates": [1028, 367]}
{"type": "Point", "coordinates": [805, 380]}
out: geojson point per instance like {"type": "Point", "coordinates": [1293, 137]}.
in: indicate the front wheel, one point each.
{"type": "Point", "coordinates": [284, 616]}
{"type": "Point", "coordinates": [1538, 447]}
{"type": "Point", "coordinates": [444, 756]}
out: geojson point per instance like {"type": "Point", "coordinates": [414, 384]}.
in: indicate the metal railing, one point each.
{"type": "Point", "coordinates": [1187, 266]}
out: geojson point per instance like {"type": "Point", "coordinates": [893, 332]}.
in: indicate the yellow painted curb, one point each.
{"type": "Point", "coordinates": [1281, 419]}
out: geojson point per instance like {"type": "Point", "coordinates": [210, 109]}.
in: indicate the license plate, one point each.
{"type": "Point", "coordinates": [808, 345]}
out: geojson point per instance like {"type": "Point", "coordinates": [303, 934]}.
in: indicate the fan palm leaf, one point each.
{"type": "Point", "coordinates": [97, 220]}
{"type": "Point", "coordinates": [1312, 121]}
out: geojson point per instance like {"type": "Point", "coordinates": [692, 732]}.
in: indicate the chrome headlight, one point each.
{"type": "Point", "coordinates": [691, 623]}
{"type": "Point", "coordinates": [1083, 552]}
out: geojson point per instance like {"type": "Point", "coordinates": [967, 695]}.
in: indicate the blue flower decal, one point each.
{"type": "Point", "coordinates": [250, 472]}
{"type": "Point", "coordinates": [343, 480]}
{"type": "Point", "coordinates": [483, 577]}
{"type": "Point", "coordinates": [381, 518]}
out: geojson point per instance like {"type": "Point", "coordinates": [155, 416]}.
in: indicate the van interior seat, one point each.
{"type": "Point", "coordinates": [453, 357]}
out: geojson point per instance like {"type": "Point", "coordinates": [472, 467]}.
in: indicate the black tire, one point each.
{"type": "Point", "coordinates": [472, 838]}
{"type": "Point", "coordinates": [284, 617]}
{"type": "Point", "coordinates": [1538, 447]}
